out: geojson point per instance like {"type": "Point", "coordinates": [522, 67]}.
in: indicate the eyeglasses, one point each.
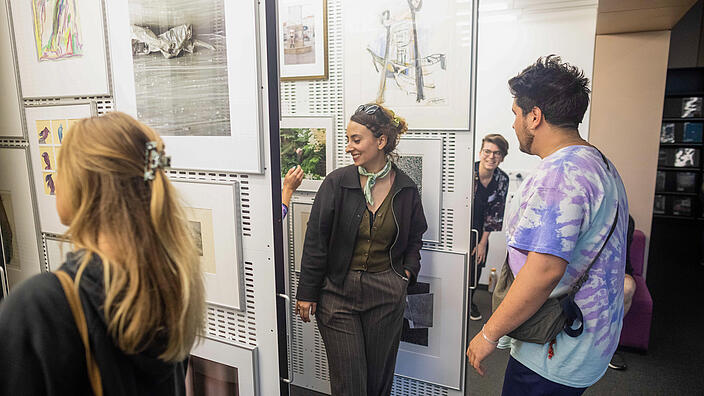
{"type": "Point", "coordinates": [488, 153]}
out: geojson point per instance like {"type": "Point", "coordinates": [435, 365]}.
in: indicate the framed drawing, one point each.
{"type": "Point", "coordinates": [47, 126]}
{"type": "Point", "coordinates": [190, 70]}
{"type": "Point", "coordinates": [421, 159]}
{"type": "Point", "coordinates": [213, 214]}
{"type": "Point", "coordinates": [300, 213]}
{"type": "Point", "coordinates": [16, 198]}
{"type": "Point", "coordinates": [10, 107]}
{"type": "Point", "coordinates": [308, 141]}
{"type": "Point", "coordinates": [303, 39]}
{"type": "Point", "coordinates": [436, 354]}
{"type": "Point", "coordinates": [56, 250]}
{"type": "Point", "coordinates": [61, 48]}
{"type": "Point", "coordinates": [222, 369]}
{"type": "Point", "coordinates": [412, 56]}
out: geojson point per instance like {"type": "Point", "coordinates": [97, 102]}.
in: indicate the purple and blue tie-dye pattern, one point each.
{"type": "Point", "coordinates": [566, 209]}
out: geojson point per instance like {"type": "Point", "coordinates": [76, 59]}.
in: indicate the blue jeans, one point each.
{"type": "Point", "coordinates": [520, 380]}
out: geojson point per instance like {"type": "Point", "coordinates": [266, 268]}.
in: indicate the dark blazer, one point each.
{"type": "Point", "coordinates": [334, 223]}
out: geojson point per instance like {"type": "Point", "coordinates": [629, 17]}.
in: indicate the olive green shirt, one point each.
{"type": "Point", "coordinates": [374, 239]}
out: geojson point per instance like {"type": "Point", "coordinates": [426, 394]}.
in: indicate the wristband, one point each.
{"type": "Point", "coordinates": [495, 343]}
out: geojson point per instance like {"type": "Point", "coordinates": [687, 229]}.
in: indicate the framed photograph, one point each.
{"type": "Point", "coordinates": [692, 132]}
{"type": "Point", "coordinates": [421, 159]}
{"type": "Point", "coordinates": [56, 250]}
{"type": "Point", "coordinates": [438, 356]}
{"type": "Point", "coordinates": [10, 102]}
{"type": "Point", "coordinates": [411, 56]}
{"type": "Point", "coordinates": [660, 204]}
{"type": "Point", "coordinates": [686, 157]}
{"type": "Point", "coordinates": [190, 70]}
{"type": "Point", "coordinates": [47, 126]}
{"type": "Point", "coordinates": [213, 214]}
{"type": "Point", "coordinates": [303, 39]}
{"type": "Point", "coordinates": [682, 206]}
{"type": "Point", "coordinates": [691, 107]}
{"type": "Point", "coordinates": [300, 213]}
{"type": "Point", "coordinates": [23, 238]}
{"type": "Point", "coordinates": [686, 181]}
{"type": "Point", "coordinates": [61, 48]}
{"type": "Point", "coordinates": [217, 368]}
{"type": "Point", "coordinates": [667, 133]}
{"type": "Point", "coordinates": [308, 141]}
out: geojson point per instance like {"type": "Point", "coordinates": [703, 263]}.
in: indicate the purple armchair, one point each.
{"type": "Point", "coordinates": [636, 325]}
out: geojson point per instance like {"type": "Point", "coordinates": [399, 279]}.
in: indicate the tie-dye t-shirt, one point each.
{"type": "Point", "coordinates": [566, 208]}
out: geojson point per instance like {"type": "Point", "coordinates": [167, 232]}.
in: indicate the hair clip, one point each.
{"type": "Point", "coordinates": [153, 160]}
{"type": "Point", "coordinates": [395, 121]}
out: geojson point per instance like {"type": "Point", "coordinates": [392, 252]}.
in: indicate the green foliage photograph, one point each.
{"type": "Point", "coordinates": [304, 147]}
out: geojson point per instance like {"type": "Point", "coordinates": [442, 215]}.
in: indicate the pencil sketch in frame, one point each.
{"type": "Point", "coordinates": [244, 359]}
{"type": "Point", "coordinates": [232, 100]}
{"type": "Point", "coordinates": [45, 115]}
{"type": "Point", "coordinates": [74, 76]}
{"type": "Point", "coordinates": [292, 128]}
{"type": "Point", "coordinates": [200, 222]}
{"type": "Point", "coordinates": [303, 39]}
{"type": "Point", "coordinates": [17, 185]}
{"type": "Point", "coordinates": [300, 213]}
{"type": "Point", "coordinates": [412, 56]}
{"type": "Point", "coordinates": [421, 157]}
{"type": "Point", "coordinates": [225, 284]}
{"type": "Point", "coordinates": [442, 361]}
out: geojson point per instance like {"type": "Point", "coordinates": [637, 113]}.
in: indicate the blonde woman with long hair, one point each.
{"type": "Point", "coordinates": [133, 263]}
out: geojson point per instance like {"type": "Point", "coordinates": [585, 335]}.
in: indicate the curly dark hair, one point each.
{"type": "Point", "coordinates": [558, 89]}
{"type": "Point", "coordinates": [382, 123]}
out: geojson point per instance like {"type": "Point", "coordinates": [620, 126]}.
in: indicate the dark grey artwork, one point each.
{"type": "Point", "coordinates": [412, 165]}
{"type": "Point", "coordinates": [180, 66]}
{"type": "Point", "coordinates": [418, 316]}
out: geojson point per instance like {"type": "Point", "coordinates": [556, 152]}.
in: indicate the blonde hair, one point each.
{"type": "Point", "coordinates": [154, 287]}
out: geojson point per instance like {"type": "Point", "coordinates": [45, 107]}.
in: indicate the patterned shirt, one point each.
{"type": "Point", "coordinates": [566, 209]}
{"type": "Point", "coordinates": [490, 201]}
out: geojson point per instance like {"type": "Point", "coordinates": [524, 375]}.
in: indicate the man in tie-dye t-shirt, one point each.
{"type": "Point", "coordinates": [560, 219]}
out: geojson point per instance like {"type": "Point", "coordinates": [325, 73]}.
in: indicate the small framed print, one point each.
{"type": "Point", "coordinates": [308, 141]}
{"type": "Point", "coordinates": [303, 39]}
{"type": "Point", "coordinates": [300, 213]}
{"type": "Point", "coordinates": [217, 368]}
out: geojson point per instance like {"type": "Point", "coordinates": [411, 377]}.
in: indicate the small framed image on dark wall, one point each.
{"type": "Point", "coordinates": [682, 206]}
{"type": "Point", "coordinates": [692, 132]}
{"type": "Point", "coordinates": [660, 205]}
{"type": "Point", "coordinates": [691, 107]}
{"type": "Point", "coordinates": [686, 157]}
{"type": "Point", "coordinates": [686, 181]}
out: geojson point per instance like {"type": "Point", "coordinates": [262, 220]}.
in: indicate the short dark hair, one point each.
{"type": "Point", "coordinates": [498, 140]}
{"type": "Point", "coordinates": [558, 89]}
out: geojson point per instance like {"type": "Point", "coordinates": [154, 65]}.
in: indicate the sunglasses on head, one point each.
{"type": "Point", "coordinates": [372, 109]}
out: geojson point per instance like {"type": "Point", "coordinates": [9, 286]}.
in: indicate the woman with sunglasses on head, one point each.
{"type": "Point", "coordinates": [361, 251]}
{"type": "Point", "coordinates": [490, 189]}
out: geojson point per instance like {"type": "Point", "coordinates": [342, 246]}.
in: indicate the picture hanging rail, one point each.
{"type": "Point", "coordinates": [412, 56]}
{"type": "Point", "coordinates": [190, 70]}
{"type": "Point", "coordinates": [47, 127]}
{"type": "Point", "coordinates": [303, 39]}
{"type": "Point", "coordinates": [61, 48]}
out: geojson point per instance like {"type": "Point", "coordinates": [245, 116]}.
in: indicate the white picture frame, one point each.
{"type": "Point", "coordinates": [240, 151]}
{"type": "Point", "coordinates": [442, 361]}
{"type": "Point", "coordinates": [75, 76]}
{"type": "Point", "coordinates": [430, 150]}
{"type": "Point", "coordinates": [302, 55]}
{"type": "Point", "coordinates": [244, 359]}
{"type": "Point", "coordinates": [224, 287]}
{"type": "Point", "coordinates": [326, 122]}
{"type": "Point", "coordinates": [53, 115]}
{"type": "Point", "coordinates": [56, 250]}
{"type": "Point", "coordinates": [10, 102]}
{"type": "Point", "coordinates": [16, 185]}
{"type": "Point", "coordinates": [300, 213]}
{"type": "Point", "coordinates": [444, 32]}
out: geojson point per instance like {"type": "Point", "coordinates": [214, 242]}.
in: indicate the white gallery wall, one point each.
{"type": "Point", "coordinates": [512, 35]}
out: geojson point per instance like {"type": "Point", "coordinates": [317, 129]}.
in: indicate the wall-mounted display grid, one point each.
{"type": "Point", "coordinates": [308, 359]}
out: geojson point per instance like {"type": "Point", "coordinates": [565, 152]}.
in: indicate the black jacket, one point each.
{"type": "Point", "coordinates": [334, 223]}
{"type": "Point", "coordinates": [41, 352]}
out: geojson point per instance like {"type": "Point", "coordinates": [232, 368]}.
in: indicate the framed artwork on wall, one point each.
{"type": "Point", "coordinates": [300, 213]}
{"type": "Point", "coordinates": [17, 204]}
{"type": "Point", "coordinates": [421, 159]}
{"type": "Point", "coordinates": [61, 48]}
{"type": "Point", "coordinates": [412, 56]}
{"type": "Point", "coordinates": [10, 106]}
{"type": "Point", "coordinates": [56, 250]}
{"type": "Point", "coordinates": [213, 214]}
{"type": "Point", "coordinates": [436, 354]}
{"type": "Point", "coordinates": [308, 141]}
{"type": "Point", "coordinates": [190, 70]}
{"type": "Point", "coordinates": [47, 126]}
{"type": "Point", "coordinates": [303, 39]}
{"type": "Point", "coordinates": [222, 369]}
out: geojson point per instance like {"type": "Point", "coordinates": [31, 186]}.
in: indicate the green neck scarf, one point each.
{"type": "Point", "coordinates": [371, 180]}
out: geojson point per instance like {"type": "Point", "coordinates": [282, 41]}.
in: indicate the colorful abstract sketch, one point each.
{"type": "Point", "coordinates": [56, 29]}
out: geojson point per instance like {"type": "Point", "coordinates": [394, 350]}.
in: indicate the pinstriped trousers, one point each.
{"type": "Point", "coordinates": [360, 323]}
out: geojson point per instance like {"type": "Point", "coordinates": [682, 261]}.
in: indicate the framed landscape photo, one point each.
{"type": "Point", "coordinates": [308, 141]}
{"type": "Point", "coordinates": [303, 39]}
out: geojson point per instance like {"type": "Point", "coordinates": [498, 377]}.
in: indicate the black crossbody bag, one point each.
{"type": "Point", "coordinates": [558, 313]}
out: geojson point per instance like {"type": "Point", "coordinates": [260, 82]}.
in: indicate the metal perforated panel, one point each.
{"type": "Point", "coordinates": [409, 387]}
{"type": "Point", "coordinates": [104, 104]}
{"type": "Point", "coordinates": [13, 143]}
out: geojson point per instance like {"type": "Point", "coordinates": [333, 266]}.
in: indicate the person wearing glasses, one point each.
{"type": "Point", "coordinates": [361, 251]}
{"type": "Point", "coordinates": [490, 189]}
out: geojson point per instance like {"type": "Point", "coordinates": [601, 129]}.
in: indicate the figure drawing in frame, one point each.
{"type": "Point", "coordinates": [179, 53]}
{"type": "Point", "coordinates": [56, 29]}
{"type": "Point", "coordinates": [49, 187]}
{"type": "Point", "coordinates": [305, 147]}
